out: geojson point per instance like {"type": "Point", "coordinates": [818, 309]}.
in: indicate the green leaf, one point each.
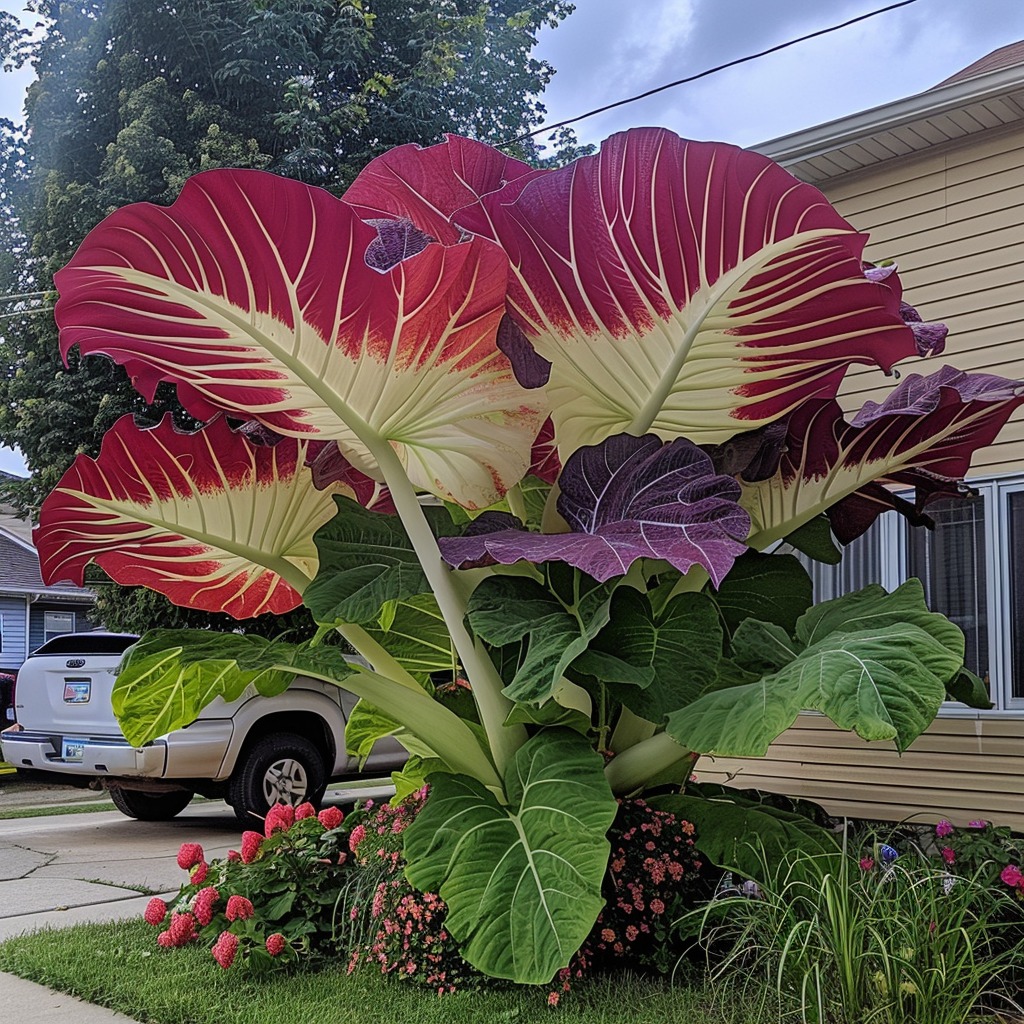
{"type": "Point", "coordinates": [169, 676]}
{"type": "Point", "coordinates": [550, 714]}
{"type": "Point", "coordinates": [559, 620]}
{"type": "Point", "coordinates": [743, 835]}
{"type": "Point", "coordinates": [367, 724]}
{"type": "Point", "coordinates": [884, 684]}
{"type": "Point", "coordinates": [522, 881]}
{"type": "Point", "coordinates": [366, 560]}
{"type": "Point", "coordinates": [666, 659]}
{"type": "Point", "coordinates": [969, 689]}
{"type": "Point", "coordinates": [815, 540]}
{"type": "Point", "coordinates": [762, 646]}
{"type": "Point", "coordinates": [413, 632]}
{"type": "Point", "coordinates": [413, 776]}
{"type": "Point", "coordinates": [773, 588]}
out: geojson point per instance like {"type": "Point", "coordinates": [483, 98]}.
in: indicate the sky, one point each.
{"type": "Point", "coordinates": [608, 50]}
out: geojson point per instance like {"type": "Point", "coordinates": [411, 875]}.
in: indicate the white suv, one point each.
{"type": "Point", "coordinates": [254, 752]}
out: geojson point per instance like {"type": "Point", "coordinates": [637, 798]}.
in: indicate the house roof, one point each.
{"type": "Point", "coordinates": [984, 95]}
{"type": "Point", "coordinates": [20, 573]}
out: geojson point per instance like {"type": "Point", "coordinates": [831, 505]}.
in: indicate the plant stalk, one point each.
{"type": "Point", "coordinates": [629, 771]}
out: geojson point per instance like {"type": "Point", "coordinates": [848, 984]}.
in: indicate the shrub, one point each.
{"type": "Point", "coordinates": [270, 904]}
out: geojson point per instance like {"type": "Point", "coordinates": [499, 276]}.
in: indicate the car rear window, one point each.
{"type": "Point", "coordinates": [86, 643]}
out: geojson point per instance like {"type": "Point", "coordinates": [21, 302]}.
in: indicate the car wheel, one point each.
{"type": "Point", "coordinates": [137, 803]}
{"type": "Point", "coordinates": [282, 769]}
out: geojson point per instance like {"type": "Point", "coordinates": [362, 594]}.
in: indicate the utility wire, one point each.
{"type": "Point", "coordinates": [709, 71]}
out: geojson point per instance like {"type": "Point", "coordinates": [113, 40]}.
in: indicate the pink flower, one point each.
{"type": "Point", "coordinates": [164, 940]}
{"type": "Point", "coordinates": [357, 835]}
{"type": "Point", "coordinates": [239, 908]}
{"type": "Point", "coordinates": [867, 863]}
{"type": "Point", "coordinates": [948, 854]}
{"type": "Point", "coordinates": [276, 944]}
{"type": "Point", "coordinates": [607, 935]}
{"type": "Point", "coordinates": [189, 855]}
{"type": "Point", "coordinates": [156, 911]}
{"type": "Point", "coordinates": [233, 855]}
{"type": "Point", "coordinates": [279, 818]}
{"type": "Point", "coordinates": [306, 810]}
{"type": "Point", "coordinates": [251, 843]}
{"type": "Point", "coordinates": [977, 824]}
{"type": "Point", "coordinates": [198, 874]}
{"type": "Point", "coordinates": [203, 904]}
{"type": "Point", "coordinates": [1011, 875]}
{"type": "Point", "coordinates": [943, 829]}
{"type": "Point", "coordinates": [657, 907]}
{"type": "Point", "coordinates": [224, 949]}
{"type": "Point", "coordinates": [552, 999]}
{"type": "Point", "coordinates": [182, 929]}
{"type": "Point", "coordinates": [330, 817]}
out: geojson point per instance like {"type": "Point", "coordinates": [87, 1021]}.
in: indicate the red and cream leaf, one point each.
{"type": "Point", "coordinates": [685, 288]}
{"type": "Point", "coordinates": [205, 518]}
{"type": "Point", "coordinates": [922, 436]}
{"type": "Point", "coordinates": [254, 294]}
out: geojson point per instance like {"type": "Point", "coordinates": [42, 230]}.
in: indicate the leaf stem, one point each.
{"type": "Point", "coordinates": [629, 771]}
{"type": "Point", "coordinates": [380, 661]}
{"type": "Point", "coordinates": [484, 680]}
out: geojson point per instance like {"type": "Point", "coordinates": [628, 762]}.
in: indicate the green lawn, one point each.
{"type": "Point", "coordinates": [120, 966]}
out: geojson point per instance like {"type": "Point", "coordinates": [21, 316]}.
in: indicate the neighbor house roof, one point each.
{"type": "Point", "coordinates": [984, 95]}
{"type": "Point", "coordinates": [20, 572]}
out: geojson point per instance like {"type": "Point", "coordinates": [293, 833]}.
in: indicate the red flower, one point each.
{"type": "Point", "coordinates": [156, 911]}
{"type": "Point", "coordinates": [224, 949]}
{"type": "Point", "coordinates": [198, 874]}
{"type": "Point", "coordinates": [330, 817]}
{"type": "Point", "coordinates": [251, 843]}
{"type": "Point", "coordinates": [279, 818]}
{"type": "Point", "coordinates": [948, 854]}
{"type": "Point", "coordinates": [239, 908]}
{"type": "Point", "coordinates": [164, 940]}
{"type": "Point", "coordinates": [657, 907]}
{"type": "Point", "coordinates": [1011, 875]}
{"type": "Point", "coordinates": [203, 904]}
{"type": "Point", "coordinates": [867, 863]}
{"type": "Point", "coordinates": [276, 944]}
{"type": "Point", "coordinates": [189, 855]}
{"type": "Point", "coordinates": [306, 810]}
{"type": "Point", "coordinates": [233, 855]}
{"type": "Point", "coordinates": [182, 929]}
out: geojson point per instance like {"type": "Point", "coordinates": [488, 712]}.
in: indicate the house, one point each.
{"type": "Point", "coordinates": [937, 180]}
{"type": "Point", "coordinates": [30, 611]}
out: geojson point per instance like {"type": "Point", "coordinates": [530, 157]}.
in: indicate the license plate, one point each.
{"type": "Point", "coordinates": [71, 750]}
{"type": "Point", "coordinates": [77, 692]}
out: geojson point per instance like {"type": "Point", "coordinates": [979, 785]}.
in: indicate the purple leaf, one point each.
{"type": "Point", "coordinates": [624, 499]}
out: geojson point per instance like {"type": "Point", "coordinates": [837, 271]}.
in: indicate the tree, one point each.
{"type": "Point", "coordinates": [132, 97]}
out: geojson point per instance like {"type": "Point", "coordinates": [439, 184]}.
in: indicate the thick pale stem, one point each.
{"type": "Point", "coordinates": [380, 661]}
{"type": "Point", "coordinates": [629, 730]}
{"type": "Point", "coordinates": [691, 582]}
{"type": "Point", "coordinates": [484, 679]}
{"type": "Point", "coordinates": [629, 771]}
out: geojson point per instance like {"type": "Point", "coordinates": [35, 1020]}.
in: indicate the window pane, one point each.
{"type": "Point", "coordinates": [950, 562]}
{"type": "Point", "coordinates": [56, 623]}
{"type": "Point", "coordinates": [861, 565]}
{"type": "Point", "coordinates": [1017, 596]}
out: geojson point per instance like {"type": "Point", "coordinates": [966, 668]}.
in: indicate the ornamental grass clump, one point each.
{"type": "Point", "coordinates": [269, 906]}
{"type": "Point", "coordinates": [891, 939]}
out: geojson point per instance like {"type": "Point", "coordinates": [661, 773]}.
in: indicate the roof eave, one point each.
{"type": "Point", "coordinates": [825, 138]}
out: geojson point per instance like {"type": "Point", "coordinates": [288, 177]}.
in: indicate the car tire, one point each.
{"type": "Point", "coordinates": [280, 769]}
{"type": "Point", "coordinates": [137, 803]}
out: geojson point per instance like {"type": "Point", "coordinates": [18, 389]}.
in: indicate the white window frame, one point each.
{"type": "Point", "coordinates": [48, 633]}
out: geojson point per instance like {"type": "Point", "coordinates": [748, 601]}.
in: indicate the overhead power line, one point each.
{"type": "Point", "coordinates": [709, 71]}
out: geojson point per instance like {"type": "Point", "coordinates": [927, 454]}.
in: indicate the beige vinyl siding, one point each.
{"type": "Point", "coordinates": [961, 769]}
{"type": "Point", "coordinates": [953, 219]}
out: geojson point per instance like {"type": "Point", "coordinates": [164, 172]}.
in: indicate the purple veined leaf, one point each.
{"type": "Point", "coordinates": [624, 499]}
{"type": "Point", "coordinates": [922, 436]}
{"type": "Point", "coordinates": [429, 185]}
{"type": "Point", "coordinates": [205, 518]}
{"type": "Point", "coordinates": [330, 467]}
{"type": "Point", "coordinates": [271, 300]}
{"type": "Point", "coordinates": [685, 289]}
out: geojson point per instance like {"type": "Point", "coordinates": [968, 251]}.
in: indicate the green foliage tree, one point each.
{"type": "Point", "coordinates": [134, 96]}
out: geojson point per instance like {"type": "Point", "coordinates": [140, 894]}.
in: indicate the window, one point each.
{"type": "Point", "coordinates": [55, 623]}
{"type": "Point", "coordinates": [966, 567]}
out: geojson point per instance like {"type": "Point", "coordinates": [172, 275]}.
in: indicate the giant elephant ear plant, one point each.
{"type": "Point", "coordinates": [537, 429]}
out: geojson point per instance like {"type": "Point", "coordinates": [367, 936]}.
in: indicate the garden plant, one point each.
{"type": "Point", "coordinates": [538, 433]}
